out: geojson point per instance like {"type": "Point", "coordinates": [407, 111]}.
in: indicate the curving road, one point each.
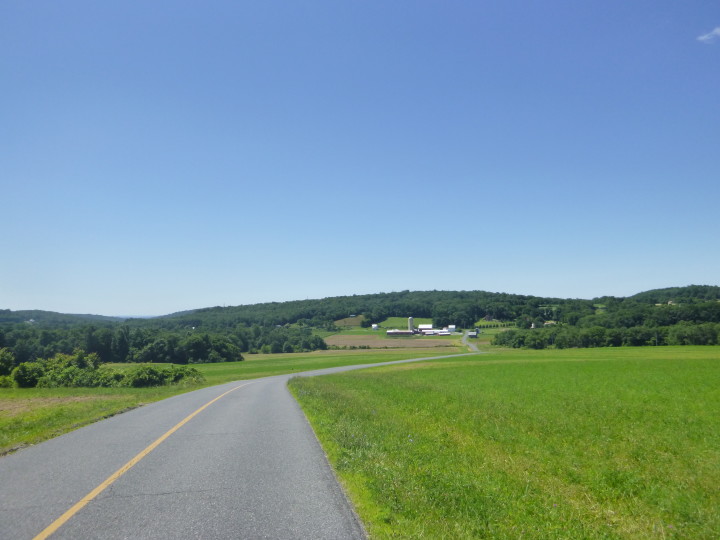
{"type": "Point", "coordinates": [237, 460]}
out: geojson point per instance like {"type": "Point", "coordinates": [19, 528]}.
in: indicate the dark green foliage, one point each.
{"type": "Point", "coordinates": [564, 337]}
{"type": "Point", "coordinates": [142, 376]}
{"type": "Point", "coordinates": [83, 370]}
{"type": "Point", "coordinates": [689, 294]}
{"type": "Point", "coordinates": [7, 361]}
{"type": "Point", "coordinates": [27, 374]}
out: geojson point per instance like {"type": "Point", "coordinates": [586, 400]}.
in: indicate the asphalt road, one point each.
{"type": "Point", "coordinates": [246, 466]}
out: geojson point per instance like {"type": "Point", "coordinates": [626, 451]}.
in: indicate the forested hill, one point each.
{"type": "Point", "coordinates": [684, 315]}
{"type": "Point", "coordinates": [463, 308]}
{"type": "Point", "coordinates": [52, 319]}
{"type": "Point", "coordinates": [691, 294]}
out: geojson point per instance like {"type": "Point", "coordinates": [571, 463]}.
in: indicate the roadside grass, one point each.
{"type": "Point", "coordinates": [579, 443]}
{"type": "Point", "coordinates": [32, 415]}
{"type": "Point", "coordinates": [266, 365]}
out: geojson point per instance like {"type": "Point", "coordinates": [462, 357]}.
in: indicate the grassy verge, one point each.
{"type": "Point", "coordinates": [31, 415]}
{"type": "Point", "coordinates": [593, 443]}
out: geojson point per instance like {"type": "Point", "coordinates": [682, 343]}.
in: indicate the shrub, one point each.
{"type": "Point", "coordinates": [69, 376]}
{"type": "Point", "coordinates": [110, 378]}
{"type": "Point", "coordinates": [6, 381]}
{"type": "Point", "coordinates": [7, 361]}
{"type": "Point", "coordinates": [184, 374]}
{"type": "Point", "coordinates": [143, 376]}
{"type": "Point", "coordinates": [27, 374]}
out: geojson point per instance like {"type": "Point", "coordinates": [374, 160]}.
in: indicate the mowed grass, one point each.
{"type": "Point", "coordinates": [401, 323]}
{"type": "Point", "coordinates": [32, 415]}
{"type": "Point", "coordinates": [593, 443]}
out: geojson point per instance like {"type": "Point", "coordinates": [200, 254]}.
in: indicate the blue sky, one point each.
{"type": "Point", "coordinates": [162, 156]}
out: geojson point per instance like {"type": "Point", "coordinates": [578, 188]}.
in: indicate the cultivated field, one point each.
{"type": "Point", "coordinates": [588, 443]}
{"type": "Point", "coordinates": [382, 342]}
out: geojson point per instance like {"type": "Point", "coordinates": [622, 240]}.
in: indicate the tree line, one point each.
{"type": "Point", "coordinates": [124, 343]}
{"type": "Point", "coordinates": [564, 337]}
{"type": "Point", "coordinates": [220, 334]}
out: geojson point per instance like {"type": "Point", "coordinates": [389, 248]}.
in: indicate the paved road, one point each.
{"type": "Point", "coordinates": [246, 466]}
{"type": "Point", "coordinates": [469, 345]}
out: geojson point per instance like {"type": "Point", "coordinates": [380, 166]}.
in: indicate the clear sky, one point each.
{"type": "Point", "coordinates": [169, 155]}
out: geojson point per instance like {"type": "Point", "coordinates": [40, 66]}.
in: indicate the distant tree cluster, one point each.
{"type": "Point", "coordinates": [152, 343]}
{"type": "Point", "coordinates": [564, 337]}
{"type": "Point", "coordinates": [635, 321]}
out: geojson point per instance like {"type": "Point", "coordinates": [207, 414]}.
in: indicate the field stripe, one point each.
{"type": "Point", "coordinates": [59, 522]}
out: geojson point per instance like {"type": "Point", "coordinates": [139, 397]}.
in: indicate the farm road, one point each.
{"type": "Point", "coordinates": [469, 345]}
{"type": "Point", "coordinates": [246, 466]}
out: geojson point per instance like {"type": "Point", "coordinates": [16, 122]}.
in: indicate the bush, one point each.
{"type": "Point", "coordinates": [7, 361]}
{"type": "Point", "coordinates": [6, 381]}
{"type": "Point", "coordinates": [143, 376]}
{"type": "Point", "coordinates": [27, 374]}
{"type": "Point", "coordinates": [184, 374]}
{"type": "Point", "coordinates": [68, 377]}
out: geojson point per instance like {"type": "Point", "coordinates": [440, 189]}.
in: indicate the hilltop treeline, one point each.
{"type": "Point", "coordinates": [462, 308]}
{"type": "Point", "coordinates": [674, 315]}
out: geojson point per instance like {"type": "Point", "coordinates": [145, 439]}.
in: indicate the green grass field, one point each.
{"type": "Point", "coordinates": [401, 323]}
{"type": "Point", "coordinates": [31, 415]}
{"type": "Point", "coordinates": [583, 443]}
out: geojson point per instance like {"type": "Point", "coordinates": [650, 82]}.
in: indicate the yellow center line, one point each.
{"type": "Point", "coordinates": [59, 522]}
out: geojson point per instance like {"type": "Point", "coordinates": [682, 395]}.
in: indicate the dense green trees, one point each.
{"type": "Point", "coordinates": [664, 316]}
{"type": "Point", "coordinates": [154, 343]}
{"type": "Point", "coordinates": [563, 337]}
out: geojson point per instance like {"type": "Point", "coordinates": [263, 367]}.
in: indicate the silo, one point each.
{"type": "Point", "coordinates": [411, 326]}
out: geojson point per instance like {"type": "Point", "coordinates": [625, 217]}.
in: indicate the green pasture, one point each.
{"type": "Point", "coordinates": [266, 365]}
{"type": "Point", "coordinates": [350, 322]}
{"type": "Point", "coordinates": [580, 443]}
{"type": "Point", "coordinates": [482, 323]}
{"type": "Point", "coordinates": [401, 323]}
{"type": "Point", "coordinates": [31, 415]}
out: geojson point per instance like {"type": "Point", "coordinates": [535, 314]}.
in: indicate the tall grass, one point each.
{"type": "Point", "coordinates": [598, 443]}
